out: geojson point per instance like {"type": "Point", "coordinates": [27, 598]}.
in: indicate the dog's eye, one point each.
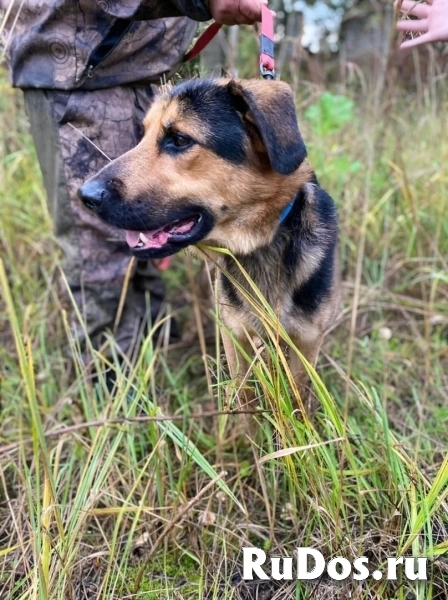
{"type": "Point", "coordinates": [180, 141]}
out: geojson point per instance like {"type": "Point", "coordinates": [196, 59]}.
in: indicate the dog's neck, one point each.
{"type": "Point", "coordinates": [272, 267]}
{"type": "Point", "coordinates": [257, 217]}
{"type": "Point", "coordinates": [260, 244]}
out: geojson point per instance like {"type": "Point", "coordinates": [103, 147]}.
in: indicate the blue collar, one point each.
{"type": "Point", "coordinates": [285, 212]}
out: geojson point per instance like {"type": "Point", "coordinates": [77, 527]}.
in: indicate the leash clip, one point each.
{"type": "Point", "coordinates": [267, 73]}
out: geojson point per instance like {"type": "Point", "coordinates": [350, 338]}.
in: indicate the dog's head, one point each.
{"type": "Point", "coordinates": [219, 160]}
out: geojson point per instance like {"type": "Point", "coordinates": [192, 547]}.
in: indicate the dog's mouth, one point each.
{"type": "Point", "coordinates": [179, 231]}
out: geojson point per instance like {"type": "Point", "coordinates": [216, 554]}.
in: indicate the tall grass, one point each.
{"type": "Point", "coordinates": [152, 490]}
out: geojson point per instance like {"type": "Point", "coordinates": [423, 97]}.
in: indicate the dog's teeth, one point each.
{"type": "Point", "coordinates": [143, 238]}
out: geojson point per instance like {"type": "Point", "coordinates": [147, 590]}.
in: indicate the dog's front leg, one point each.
{"type": "Point", "coordinates": [310, 350]}
{"type": "Point", "coordinates": [238, 369]}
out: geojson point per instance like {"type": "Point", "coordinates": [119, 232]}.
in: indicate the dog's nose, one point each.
{"type": "Point", "coordinates": [92, 194]}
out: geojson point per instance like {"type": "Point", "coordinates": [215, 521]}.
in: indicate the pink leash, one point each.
{"type": "Point", "coordinates": [267, 63]}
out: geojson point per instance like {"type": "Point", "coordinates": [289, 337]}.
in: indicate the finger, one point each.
{"type": "Point", "coordinates": [251, 9]}
{"type": "Point", "coordinates": [418, 41]}
{"type": "Point", "coordinates": [242, 20]}
{"type": "Point", "coordinates": [409, 25]}
{"type": "Point", "coordinates": [226, 18]}
{"type": "Point", "coordinates": [416, 9]}
{"type": "Point", "coordinates": [238, 19]}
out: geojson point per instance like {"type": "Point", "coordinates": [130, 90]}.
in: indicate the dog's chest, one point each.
{"type": "Point", "coordinates": [246, 288]}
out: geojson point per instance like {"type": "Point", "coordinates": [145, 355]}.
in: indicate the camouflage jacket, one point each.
{"type": "Point", "coordinates": [93, 44]}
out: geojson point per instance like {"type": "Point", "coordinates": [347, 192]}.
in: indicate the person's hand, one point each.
{"type": "Point", "coordinates": [431, 22]}
{"type": "Point", "coordinates": [236, 12]}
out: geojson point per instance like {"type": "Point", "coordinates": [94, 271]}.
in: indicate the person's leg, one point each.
{"type": "Point", "coordinates": [76, 134]}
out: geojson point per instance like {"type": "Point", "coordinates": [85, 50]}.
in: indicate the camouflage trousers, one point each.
{"type": "Point", "coordinates": [76, 133]}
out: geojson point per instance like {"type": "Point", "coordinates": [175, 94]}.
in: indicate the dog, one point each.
{"type": "Point", "coordinates": [222, 162]}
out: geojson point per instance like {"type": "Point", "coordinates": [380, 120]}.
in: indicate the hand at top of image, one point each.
{"type": "Point", "coordinates": [431, 22]}
{"type": "Point", "coordinates": [236, 12]}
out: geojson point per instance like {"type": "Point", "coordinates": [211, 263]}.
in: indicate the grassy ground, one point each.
{"type": "Point", "coordinates": [101, 497]}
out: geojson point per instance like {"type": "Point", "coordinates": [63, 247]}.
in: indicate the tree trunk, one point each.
{"type": "Point", "coordinates": [290, 48]}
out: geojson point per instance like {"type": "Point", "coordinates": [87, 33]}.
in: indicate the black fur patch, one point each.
{"type": "Point", "coordinates": [325, 208]}
{"type": "Point", "coordinates": [293, 221]}
{"type": "Point", "coordinates": [311, 293]}
{"type": "Point", "coordinates": [230, 291]}
{"type": "Point", "coordinates": [303, 239]}
{"type": "Point", "coordinates": [212, 105]}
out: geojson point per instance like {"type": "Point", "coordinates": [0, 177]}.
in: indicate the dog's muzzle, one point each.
{"type": "Point", "coordinates": [151, 231]}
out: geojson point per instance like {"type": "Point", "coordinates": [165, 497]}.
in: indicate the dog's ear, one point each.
{"type": "Point", "coordinates": [269, 105]}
